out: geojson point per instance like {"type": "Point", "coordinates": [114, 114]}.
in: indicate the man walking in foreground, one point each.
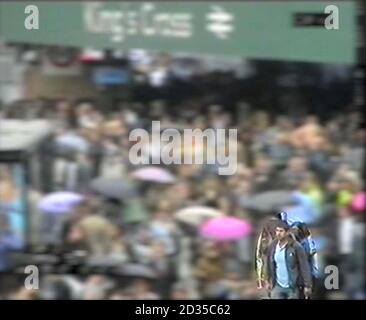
{"type": "Point", "coordinates": [288, 269]}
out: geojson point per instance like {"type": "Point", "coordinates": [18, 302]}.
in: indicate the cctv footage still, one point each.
{"type": "Point", "coordinates": [182, 150]}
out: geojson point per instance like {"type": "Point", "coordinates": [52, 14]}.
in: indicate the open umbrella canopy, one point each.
{"type": "Point", "coordinates": [225, 228]}
{"type": "Point", "coordinates": [136, 270]}
{"type": "Point", "coordinates": [303, 209]}
{"type": "Point", "coordinates": [299, 214]}
{"type": "Point", "coordinates": [268, 201]}
{"type": "Point", "coordinates": [153, 174]}
{"type": "Point", "coordinates": [112, 188]}
{"type": "Point", "coordinates": [103, 261]}
{"type": "Point", "coordinates": [359, 202]}
{"type": "Point", "coordinates": [73, 141]}
{"type": "Point", "coordinates": [59, 202]}
{"type": "Point", "coordinates": [197, 214]}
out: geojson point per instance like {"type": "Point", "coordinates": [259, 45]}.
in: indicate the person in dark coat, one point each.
{"type": "Point", "coordinates": [288, 268]}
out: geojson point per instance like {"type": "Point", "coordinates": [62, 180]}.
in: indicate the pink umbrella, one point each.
{"type": "Point", "coordinates": [225, 228]}
{"type": "Point", "coordinates": [154, 174]}
{"type": "Point", "coordinates": [359, 202]}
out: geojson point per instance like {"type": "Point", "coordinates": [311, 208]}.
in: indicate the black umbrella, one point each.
{"type": "Point", "coordinates": [113, 188]}
{"type": "Point", "coordinates": [268, 201]}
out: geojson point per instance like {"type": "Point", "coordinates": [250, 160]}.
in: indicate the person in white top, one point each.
{"type": "Point", "coordinates": [345, 245]}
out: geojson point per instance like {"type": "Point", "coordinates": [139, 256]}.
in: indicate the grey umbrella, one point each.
{"type": "Point", "coordinates": [136, 270]}
{"type": "Point", "coordinates": [106, 261]}
{"type": "Point", "coordinates": [113, 188]}
{"type": "Point", "coordinates": [268, 201]}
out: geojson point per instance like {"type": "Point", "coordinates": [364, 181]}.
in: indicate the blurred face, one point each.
{"type": "Point", "coordinates": [263, 164]}
{"type": "Point", "coordinates": [311, 119]}
{"type": "Point", "coordinates": [161, 215]}
{"type": "Point", "coordinates": [179, 295]}
{"type": "Point", "coordinates": [224, 204]}
{"type": "Point", "coordinates": [94, 137]}
{"type": "Point", "coordinates": [63, 107]}
{"type": "Point", "coordinates": [262, 120]}
{"type": "Point", "coordinates": [94, 288]}
{"type": "Point", "coordinates": [7, 191]}
{"type": "Point", "coordinates": [200, 123]}
{"type": "Point", "coordinates": [362, 135]}
{"type": "Point", "coordinates": [4, 173]}
{"type": "Point", "coordinates": [120, 296]}
{"type": "Point", "coordinates": [159, 250]}
{"type": "Point", "coordinates": [332, 186]}
{"type": "Point", "coordinates": [345, 185]}
{"type": "Point", "coordinates": [210, 250]}
{"type": "Point", "coordinates": [96, 280]}
{"type": "Point", "coordinates": [281, 234]}
{"type": "Point", "coordinates": [297, 164]}
{"type": "Point", "coordinates": [211, 193]}
{"type": "Point", "coordinates": [245, 186]}
{"type": "Point", "coordinates": [141, 287]}
{"type": "Point", "coordinates": [332, 126]}
{"type": "Point", "coordinates": [282, 123]}
{"type": "Point", "coordinates": [233, 182]}
{"type": "Point", "coordinates": [344, 212]}
{"type": "Point", "coordinates": [318, 143]}
{"type": "Point", "coordinates": [84, 109]}
{"type": "Point", "coordinates": [76, 235]}
{"type": "Point", "coordinates": [81, 210]}
{"type": "Point", "coordinates": [183, 190]}
{"type": "Point", "coordinates": [164, 206]}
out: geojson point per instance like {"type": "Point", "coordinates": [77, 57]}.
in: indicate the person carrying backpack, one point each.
{"type": "Point", "coordinates": [302, 234]}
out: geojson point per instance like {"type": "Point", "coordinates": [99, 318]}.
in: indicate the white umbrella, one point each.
{"type": "Point", "coordinates": [196, 215]}
{"type": "Point", "coordinates": [73, 141]}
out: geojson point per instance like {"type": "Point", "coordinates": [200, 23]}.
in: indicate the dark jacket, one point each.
{"type": "Point", "coordinates": [297, 264]}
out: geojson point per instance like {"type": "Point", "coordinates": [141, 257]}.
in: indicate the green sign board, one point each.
{"type": "Point", "coordinates": [261, 30]}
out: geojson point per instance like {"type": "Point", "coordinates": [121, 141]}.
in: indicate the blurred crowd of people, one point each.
{"type": "Point", "coordinates": [321, 160]}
